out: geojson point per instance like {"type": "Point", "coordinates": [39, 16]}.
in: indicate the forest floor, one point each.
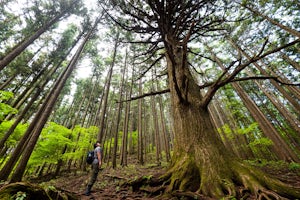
{"type": "Point", "coordinates": [109, 185]}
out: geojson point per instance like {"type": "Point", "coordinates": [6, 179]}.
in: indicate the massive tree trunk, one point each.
{"type": "Point", "coordinates": [201, 163]}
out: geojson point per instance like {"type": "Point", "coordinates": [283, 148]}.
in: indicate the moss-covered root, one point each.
{"type": "Point", "coordinates": [23, 190]}
{"type": "Point", "coordinates": [239, 180]}
{"type": "Point", "coordinates": [262, 185]}
{"type": "Point", "coordinates": [183, 176]}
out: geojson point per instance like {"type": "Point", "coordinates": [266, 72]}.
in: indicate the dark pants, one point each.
{"type": "Point", "coordinates": [93, 178]}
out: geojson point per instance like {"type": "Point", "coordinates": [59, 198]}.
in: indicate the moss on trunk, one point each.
{"type": "Point", "coordinates": [201, 162]}
{"type": "Point", "coordinates": [237, 179]}
{"type": "Point", "coordinates": [203, 165]}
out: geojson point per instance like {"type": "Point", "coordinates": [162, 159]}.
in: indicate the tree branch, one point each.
{"type": "Point", "coordinates": [214, 87]}
{"type": "Point", "coordinates": [277, 79]}
{"type": "Point", "coordinates": [146, 95]}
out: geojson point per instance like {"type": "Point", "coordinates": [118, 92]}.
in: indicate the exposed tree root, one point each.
{"type": "Point", "coordinates": [23, 190]}
{"type": "Point", "coordinates": [242, 181]}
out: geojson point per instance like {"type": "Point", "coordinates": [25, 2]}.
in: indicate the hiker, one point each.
{"type": "Point", "coordinates": [96, 165]}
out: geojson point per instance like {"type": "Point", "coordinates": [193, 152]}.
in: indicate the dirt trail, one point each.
{"type": "Point", "coordinates": [107, 187]}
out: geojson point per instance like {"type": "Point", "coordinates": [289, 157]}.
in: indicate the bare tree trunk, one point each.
{"type": "Point", "coordinates": [140, 127]}
{"type": "Point", "coordinates": [166, 139]}
{"type": "Point", "coordinates": [157, 138]}
{"type": "Point", "coordinates": [290, 61]}
{"type": "Point", "coordinates": [268, 129]}
{"type": "Point", "coordinates": [119, 113]}
{"type": "Point", "coordinates": [103, 113]}
{"type": "Point", "coordinates": [45, 111]}
{"type": "Point", "coordinates": [27, 41]}
{"type": "Point", "coordinates": [124, 151]}
{"type": "Point", "coordinates": [8, 81]}
{"type": "Point", "coordinates": [293, 90]}
{"type": "Point", "coordinates": [19, 118]}
{"type": "Point", "coordinates": [287, 29]}
{"type": "Point", "coordinates": [218, 123]}
{"type": "Point", "coordinates": [39, 85]}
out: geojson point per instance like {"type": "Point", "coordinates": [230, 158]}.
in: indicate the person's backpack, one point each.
{"type": "Point", "coordinates": [90, 157]}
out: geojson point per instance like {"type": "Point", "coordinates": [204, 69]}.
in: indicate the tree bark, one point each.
{"type": "Point", "coordinates": [140, 127]}
{"type": "Point", "coordinates": [285, 153]}
{"type": "Point", "coordinates": [119, 113]}
{"type": "Point", "coordinates": [124, 151]}
{"type": "Point", "coordinates": [201, 162]}
{"type": "Point", "coordinates": [46, 111]}
{"type": "Point", "coordinates": [165, 137]}
{"type": "Point", "coordinates": [287, 29]}
{"type": "Point", "coordinates": [27, 41]}
{"type": "Point", "coordinates": [107, 88]}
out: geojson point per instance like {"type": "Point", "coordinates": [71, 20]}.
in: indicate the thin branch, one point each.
{"type": "Point", "coordinates": [202, 56]}
{"type": "Point", "coordinates": [263, 47]}
{"type": "Point", "coordinates": [277, 79]}
{"type": "Point", "coordinates": [153, 64]}
{"type": "Point", "coordinates": [212, 90]}
{"type": "Point", "coordinates": [146, 95]}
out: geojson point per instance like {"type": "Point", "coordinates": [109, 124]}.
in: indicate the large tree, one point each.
{"type": "Point", "coordinates": [200, 162]}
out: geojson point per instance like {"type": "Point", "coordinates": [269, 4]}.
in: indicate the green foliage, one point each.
{"type": "Point", "coordinates": [250, 129]}
{"type": "Point", "coordinates": [261, 142]}
{"type": "Point", "coordinates": [134, 136]}
{"type": "Point", "coordinates": [278, 165]}
{"type": "Point", "coordinates": [6, 109]}
{"type": "Point", "coordinates": [19, 196]}
{"type": "Point", "coordinates": [84, 142]}
{"type": "Point", "coordinates": [294, 166]}
{"type": "Point", "coordinates": [17, 134]}
{"type": "Point", "coordinates": [55, 138]}
{"type": "Point", "coordinates": [148, 177]}
{"type": "Point", "coordinates": [51, 142]}
{"type": "Point", "coordinates": [230, 134]}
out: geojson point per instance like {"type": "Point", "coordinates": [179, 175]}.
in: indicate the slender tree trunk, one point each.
{"type": "Point", "coordinates": [268, 129]}
{"type": "Point", "coordinates": [283, 91]}
{"type": "Point", "coordinates": [287, 29]}
{"type": "Point", "coordinates": [106, 93]}
{"type": "Point", "coordinates": [39, 85]}
{"type": "Point", "coordinates": [290, 61]}
{"type": "Point", "coordinates": [19, 119]}
{"type": "Point", "coordinates": [165, 137]}
{"type": "Point", "coordinates": [295, 124]}
{"type": "Point", "coordinates": [26, 42]}
{"type": "Point", "coordinates": [46, 110]}
{"type": "Point", "coordinates": [140, 127]}
{"type": "Point", "coordinates": [124, 151]}
{"type": "Point", "coordinates": [8, 81]}
{"type": "Point", "coordinates": [157, 138]}
{"type": "Point", "coordinates": [119, 113]}
{"type": "Point", "coordinates": [218, 123]}
{"type": "Point", "coordinates": [126, 118]}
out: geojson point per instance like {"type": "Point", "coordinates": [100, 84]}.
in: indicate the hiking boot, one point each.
{"type": "Point", "coordinates": [88, 190]}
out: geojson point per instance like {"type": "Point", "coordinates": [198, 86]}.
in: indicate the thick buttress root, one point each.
{"type": "Point", "coordinates": [242, 181]}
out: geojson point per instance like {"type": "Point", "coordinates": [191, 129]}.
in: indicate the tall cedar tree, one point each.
{"type": "Point", "coordinates": [200, 162]}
